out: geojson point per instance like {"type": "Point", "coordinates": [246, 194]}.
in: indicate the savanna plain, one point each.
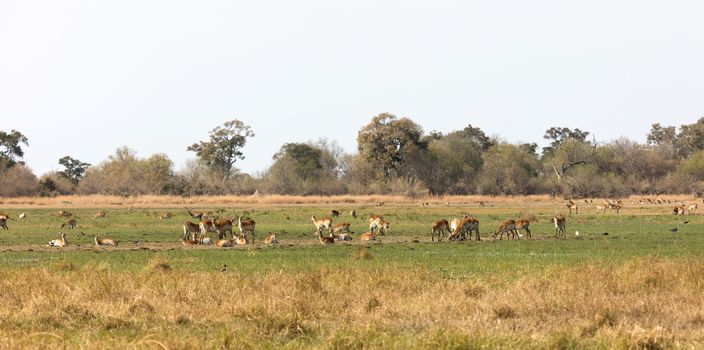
{"type": "Point", "coordinates": [617, 281]}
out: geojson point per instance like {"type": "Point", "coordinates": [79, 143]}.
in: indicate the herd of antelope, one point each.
{"type": "Point", "coordinates": [457, 229]}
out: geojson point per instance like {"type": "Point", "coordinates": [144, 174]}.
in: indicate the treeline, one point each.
{"type": "Point", "coordinates": [394, 156]}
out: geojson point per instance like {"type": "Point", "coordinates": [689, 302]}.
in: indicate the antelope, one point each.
{"type": "Point", "coordinates": [600, 208]}
{"type": "Point", "coordinates": [368, 236]}
{"type": "Point", "coordinates": [691, 209]}
{"type": "Point", "coordinates": [246, 225]}
{"type": "Point", "coordinates": [343, 237]}
{"type": "Point", "coordinates": [455, 223]}
{"type": "Point", "coordinates": [222, 227]}
{"type": "Point", "coordinates": [572, 205]}
{"type": "Point", "coordinates": [343, 227]}
{"type": "Point", "coordinates": [615, 206]}
{"type": "Point", "coordinates": [440, 227]}
{"type": "Point", "coordinates": [224, 243]}
{"type": "Point", "coordinates": [71, 224]}
{"type": "Point", "coordinates": [324, 223]}
{"type": "Point", "coordinates": [188, 241]}
{"type": "Point", "coordinates": [679, 210]}
{"type": "Point", "coordinates": [165, 216]}
{"type": "Point", "coordinates": [22, 216]}
{"type": "Point", "coordinates": [60, 242]}
{"type": "Point", "coordinates": [63, 214]}
{"type": "Point", "coordinates": [198, 215]}
{"type": "Point", "coordinates": [324, 239]}
{"type": "Point", "coordinates": [560, 223]}
{"type": "Point", "coordinates": [508, 226]}
{"type": "Point", "coordinates": [100, 214]}
{"type": "Point", "coordinates": [271, 239]}
{"type": "Point", "coordinates": [465, 225]}
{"type": "Point", "coordinates": [105, 241]}
{"type": "Point", "coordinates": [353, 213]}
{"type": "Point", "coordinates": [384, 227]}
{"type": "Point", "coordinates": [206, 226]}
{"type": "Point", "coordinates": [334, 213]}
{"type": "Point", "coordinates": [3, 222]}
{"type": "Point", "coordinates": [523, 225]}
{"type": "Point", "coordinates": [206, 240]}
{"type": "Point", "coordinates": [190, 229]}
{"type": "Point", "coordinates": [241, 240]}
{"type": "Point", "coordinates": [374, 222]}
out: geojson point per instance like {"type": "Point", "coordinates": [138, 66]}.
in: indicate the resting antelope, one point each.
{"type": "Point", "coordinates": [22, 216]}
{"type": "Point", "coordinates": [190, 230]}
{"type": "Point", "coordinates": [60, 242]}
{"type": "Point", "coordinates": [165, 216]}
{"type": "Point", "coordinates": [3, 222]}
{"type": "Point", "coordinates": [271, 239]}
{"type": "Point", "coordinates": [324, 239]}
{"type": "Point", "coordinates": [100, 214]}
{"type": "Point", "coordinates": [246, 225]}
{"type": "Point", "coordinates": [71, 224]}
{"type": "Point", "coordinates": [63, 214]}
{"type": "Point", "coordinates": [560, 224]}
{"type": "Point", "coordinates": [343, 227]}
{"type": "Point", "coordinates": [343, 237]}
{"type": "Point", "coordinates": [691, 209]}
{"type": "Point", "coordinates": [189, 241]}
{"type": "Point", "coordinates": [440, 227]}
{"type": "Point", "coordinates": [224, 243]}
{"type": "Point", "coordinates": [368, 236]}
{"type": "Point", "coordinates": [108, 241]}
{"type": "Point", "coordinates": [324, 223]}
{"type": "Point", "coordinates": [508, 226]}
{"type": "Point", "coordinates": [523, 224]}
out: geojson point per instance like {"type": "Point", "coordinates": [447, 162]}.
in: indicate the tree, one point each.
{"type": "Point", "coordinates": [305, 159]}
{"type": "Point", "coordinates": [569, 154]}
{"type": "Point", "coordinates": [690, 138]}
{"type": "Point", "coordinates": [660, 136]}
{"type": "Point", "coordinates": [388, 141]}
{"type": "Point", "coordinates": [508, 169]}
{"type": "Point", "coordinates": [456, 162]}
{"type": "Point", "coordinates": [74, 169]}
{"type": "Point", "coordinates": [11, 148]}
{"type": "Point", "coordinates": [478, 137]}
{"type": "Point", "coordinates": [559, 135]}
{"type": "Point", "coordinates": [224, 147]}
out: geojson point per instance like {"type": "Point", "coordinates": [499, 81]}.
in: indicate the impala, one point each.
{"type": "Point", "coordinates": [224, 243]}
{"type": "Point", "coordinates": [440, 227]}
{"type": "Point", "coordinates": [60, 242]}
{"type": "Point", "coordinates": [560, 224]}
{"type": "Point", "coordinates": [108, 241]}
{"type": "Point", "coordinates": [324, 223]}
{"type": "Point", "coordinates": [246, 225]}
{"type": "Point", "coordinates": [271, 239]}
{"type": "Point", "coordinates": [368, 236]}
{"type": "Point", "coordinates": [71, 224]}
{"type": "Point", "coordinates": [190, 229]}
{"type": "Point", "coordinates": [343, 227]}
{"type": "Point", "coordinates": [508, 226]}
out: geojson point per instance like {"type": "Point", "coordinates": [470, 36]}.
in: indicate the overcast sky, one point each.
{"type": "Point", "coordinates": [83, 78]}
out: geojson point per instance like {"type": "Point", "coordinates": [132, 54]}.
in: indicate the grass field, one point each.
{"type": "Point", "coordinates": [638, 287]}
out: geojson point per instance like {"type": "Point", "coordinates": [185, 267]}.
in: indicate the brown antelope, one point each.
{"type": "Point", "coordinates": [198, 215]}
{"type": "Point", "coordinates": [572, 205]}
{"type": "Point", "coordinates": [222, 227]}
{"type": "Point", "coordinates": [691, 209]}
{"type": "Point", "coordinates": [334, 213]}
{"type": "Point", "coordinates": [108, 241]}
{"type": "Point", "coordinates": [271, 239]}
{"type": "Point", "coordinates": [523, 224]}
{"type": "Point", "coordinates": [100, 214]}
{"type": "Point", "coordinates": [456, 223]}
{"type": "Point", "coordinates": [615, 206]}
{"type": "Point", "coordinates": [204, 227]}
{"type": "Point", "coordinates": [60, 242]}
{"type": "Point", "coordinates": [377, 223]}
{"type": "Point", "coordinates": [165, 216]}
{"type": "Point", "coordinates": [22, 216]}
{"type": "Point", "coordinates": [190, 230]}
{"type": "Point", "coordinates": [246, 225]}
{"type": "Point", "coordinates": [440, 227]}
{"type": "Point", "coordinates": [343, 237]}
{"type": "Point", "coordinates": [508, 226]}
{"type": "Point", "coordinates": [600, 208]}
{"type": "Point", "coordinates": [343, 227]}
{"type": "Point", "coordinates": [679, 210]}
{"type": "Point", "coordinates": [71, 224]}
{"type": "Point", "coordinates": [368, 236]}
{"type": "Point", "coordinates": [224, 243]}
{"type": "Point", "coordinates": [465, 225]}
{"type": "Point", "coordinates": [560, 224]}
{"type": "Point", "coordinates": [3, 222]}
{"type": "Point", "coordinates": [63, 214]}
{"type": "Point", "coordinates": [324, 223]}
{"type": "Point", "coordinates": [188, 241]}
{"type": "Point", "coordinates": [324, 239]}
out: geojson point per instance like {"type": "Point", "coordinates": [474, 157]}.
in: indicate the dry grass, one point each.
{"type": "Point", "coordinates": [102, 201]}
{"type": "Point", "coordinates": [643, 304]}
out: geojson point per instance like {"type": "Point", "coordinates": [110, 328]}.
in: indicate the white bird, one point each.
{"type": "Point", "coordinates": [520, 236]}
{"type": "Point", "coordinates": [576, 233]}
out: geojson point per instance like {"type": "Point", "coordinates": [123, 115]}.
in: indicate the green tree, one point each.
{"type": "Point", "coordinates": [690, 138]}
{"type": "Point", "coordinates": [558, 135]}
{"type": "Point", "coordinates": [74, 169]}
{"type": "Point", "coordinates": [509, 170]}
{"type": "Point", "coordinates": [306, 160]}
{"type": "Point", "coordinates": [11, 151]}
{"type": "Point", "coordinates": [660, 136]}
{"type": "Point", "coordinates": [388, 141]}
{"type": "Point", "coordinates": [224, 147]}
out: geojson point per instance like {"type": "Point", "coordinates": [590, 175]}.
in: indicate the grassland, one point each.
{"type": "Point", "coordinates": [640, 286]}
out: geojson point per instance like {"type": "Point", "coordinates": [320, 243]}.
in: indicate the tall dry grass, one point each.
{"type": "Point", "coordinates": [646, 303]}
{"type": "Point", "coordinates": [103, 201]}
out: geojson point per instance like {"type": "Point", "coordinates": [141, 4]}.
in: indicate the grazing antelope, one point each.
{"type": "Point", "coordinates": [3, 222]}
{"type": "Point", "coordinates": [334, 213]}
{"type": "Point", "coordinates": [60, 242]}
{"type": "Point", "coordinates": [679, 210]}
{"type": "Point", "coordinates": [463, 226]}
{"type": "Point", "coordinates": [368, 236]}
{"type": "Point", "coordinates": [224, 243]}
{"type": "Point", "coordinates": [600, 208]}
{"type": "Point", "coordinates": [246, 225]}
{"type": "Point", "coordinates": [271, 239]}
{"type": "Point", "coordinates": [440, 227]}
{"type": "Point", "coordinates": [198, 215]}
{"type": "Point", "coordinates": [105, 241]}
{"type": "Point", "coordinates": [190, 230]}
{"type": "Point", "coordinates": [456, 223]}
{"type": "Point", "coordinates": [508, 226]}
{"type": "Point", "coordinates": [691, 209]}
{"type": "Point", "coordinates": [523, 225]}
{"type": "Point", "coordinates": [165, 216]}
{"type": "Point", "coordinates": [71, 224]}
{"type": "Point", "coordinates": [324, 239]}
{"type": "Point", "coordinates": [560, 224]}
{"type": "Point", "coordinates": [63, 214]}
{"type": "Point", "coordinates": [343, 227]}
{"type": "Point", "coordinates": [324, 223]}
{"type": "Point", "coordinates": [22, 216]}
{"type": "Point", "coordinates": [100, 214]}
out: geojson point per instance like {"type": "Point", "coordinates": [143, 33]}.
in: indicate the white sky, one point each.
{"type": "Point", "coordinates": [83, 78]}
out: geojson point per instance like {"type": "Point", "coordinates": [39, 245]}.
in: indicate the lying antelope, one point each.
{"type": "Point", "coordinates": [198, 215]}
{"type": "Point", "coordinates": [224, 243]}
{"type": "Point", "coordinates": [100, 214]}
{"type": "Point", "coordinates": [560, 225]}
{"type": "Point", "coordinates": [187, 242]}
{"type": "Point", "coordinates": [334, 213]}
{"type": "Point", "coordinates": [343, 237]}
{"type": "Point", "coordinates": [343, 227]}
{"type": "Point", "coordinates": [246, 226]}
{"type": "Point", "coordinates": [324, 239]}
{"type": "Point", "coordinates": [353, 213]}
{"type": "Point", "coordinates": [165, 216]}
{"type": "Point", "coordinates": [22, 216]}
{"type": "Point", "coordinates": [108, 241]}
{"type": "Point", "coordinates": [71, 224]}
{"type": "Point", "coordinates": [508, 226]}
{"type": "Point", "coordinates": [271, 239]}
{"type": "Point", "coordinates": [368, 236]}
{"type": "Point", "coordinates": [63, 214]}
{"type": "Point", "coordinates": [440, 227]}
{"type": "Point", "coordinates": [324, 223]}
{"type": "Point", "coordinates": [60, 242]}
